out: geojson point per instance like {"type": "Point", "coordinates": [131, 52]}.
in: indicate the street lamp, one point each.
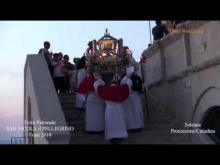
{"type": "Point", "coordinates": [150, 32]}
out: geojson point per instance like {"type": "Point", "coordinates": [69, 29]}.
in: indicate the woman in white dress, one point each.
{"type": "Point", "coordinates": [80, 75]}
{"type": "Point", "coordinates": [133, 110]}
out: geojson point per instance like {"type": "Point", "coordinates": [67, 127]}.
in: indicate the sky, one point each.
{"type": "Point", "coordinates": [19, 38]}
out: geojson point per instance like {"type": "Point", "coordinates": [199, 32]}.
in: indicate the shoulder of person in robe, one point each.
{"type": "Point", "coordinates": [98, 82]}
{"type": "Point", "coordinates": [128, 81]}
{"type": "Point", "coordinates": [123, 80]}
{"type": "Point", "coordinates": [82, 70]}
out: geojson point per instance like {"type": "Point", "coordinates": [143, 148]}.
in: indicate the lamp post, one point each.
{"type": "Point", "coordinates": [150, 33]}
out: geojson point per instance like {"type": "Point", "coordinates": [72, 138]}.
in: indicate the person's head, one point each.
{"type": "Point", "coordinates": [129, 52]}
{"type": "Point", "coordinates": [81, 64]}
{"type": "Point", "coordinates": [158, 22]}
{"type": "Point", "coordinates": [56, 56]}
{"type": "Point", "coordinates": [125, 49]}
{"type": "Point", "coordinates": [60, 56]}
{"type": "Point", "coordinates": [90, 44]}
{"type": "Point", "coordinates": [47, 45]}
{"type": "Point", "coordinates": [66, 58]}
{"type": "Point", "coordinates": [76, 60]}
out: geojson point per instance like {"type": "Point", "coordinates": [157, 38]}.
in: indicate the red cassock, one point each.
{"type": "Point", "coordinates": [87, 85]}
{"type": "Point", "coordinates": [117, 93]}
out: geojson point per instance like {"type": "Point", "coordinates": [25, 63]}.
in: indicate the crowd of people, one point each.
{"type": "Point", "coordinates": [62, 71]}
{"type": "Point", "coordinates": [111, 108]}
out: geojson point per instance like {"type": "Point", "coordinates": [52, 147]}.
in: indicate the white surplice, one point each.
{"type": "Point", "coordinates": [80, 75]}
{"type": "Point", "coordinates": [95, 107]}
{"type": "Point", "coordinates": [133, 109]}
{"type": "Point", "coordinates": [115, 126]}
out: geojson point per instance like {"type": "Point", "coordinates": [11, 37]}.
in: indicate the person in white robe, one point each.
{"type": "Point", "coordinates": [115, 126]}
{"type": "Point", "coordinates": [80, 75]}
{"type": "Point", "coordinates": [95, 115]}
{"type": "Point", "coordinates": [72, 79]}
{"type": "Point", "coordinates": [133, 109]}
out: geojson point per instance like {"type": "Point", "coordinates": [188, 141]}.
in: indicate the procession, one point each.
{"type": "Point", "coordinates": [106, 89]}
{"type": "Point", "coordinates": [119, 88]}
{"type": "Point", "coordinates": [107, 84]}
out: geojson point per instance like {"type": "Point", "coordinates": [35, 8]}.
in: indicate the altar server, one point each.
{"type": "Point", "coordinates": [80, 75]}
{"type": "Point", "coordinates": [114, 95]}
{"type": "Point", "coordinates": [133, 110]}
{"type": "Point", "coordinates": [94, 115]}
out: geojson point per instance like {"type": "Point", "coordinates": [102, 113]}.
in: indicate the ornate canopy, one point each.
{"type": "Point", "coordinates": [107, 55]}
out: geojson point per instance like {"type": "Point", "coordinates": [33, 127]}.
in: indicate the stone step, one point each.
{"type": "Point", "coordinates": [156, 130]}
{"type": "Point", "coordinates": [89, 139]}
{"type": "Point", "coordinates": [148, 127]}
{"type": "Point", "coordinates": [154, 140]}
{"type": "Point", "coordinates": [75, 122]}
{"type": "Point", "coordinates": [145, 137]}
{"type": "Point", "coordinates": [152, 134]}
{"type": "Point", "coordinates": [158, 126]}
{"type": "Point", "coordinates": [156, 137]}
{"type": "Point", "coordinates": [80, 121]}
{"type": "Point", "coordinates": [67, 101]}
{"type": "Point", "coordinates": [67, 96]}
{"type": "Point", "coordinates": [69, 122]}
{"type": "Point", "coordinates": [69, 111]}
{"type": "Point", "coordinates": [154, 108]}
{"type": "Point", "coordinates": [68, 106]}
{"type": "Point", "coordinates": [159, 120]}
{"type": "Point", "coordinates": [149, 124]}
{"type": "Point", "coordinates": [158, 114]}
{"type": "Point", "coordinates": [74, 113]}
{"type": "Point", "coordinates": [74, 118]}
